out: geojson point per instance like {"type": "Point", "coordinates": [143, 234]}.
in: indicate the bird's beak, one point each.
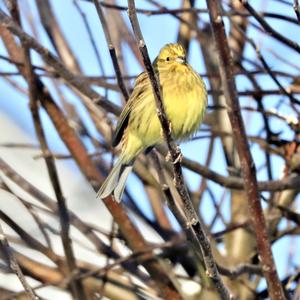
{"type": "Point", "coordinates": [180, 59]}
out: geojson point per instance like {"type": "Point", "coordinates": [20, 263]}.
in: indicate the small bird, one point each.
{"type": "Point", "coordinates": [185, 99]}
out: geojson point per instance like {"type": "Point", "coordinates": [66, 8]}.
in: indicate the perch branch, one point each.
{"type": "Point", "coordinates": [193, 227]}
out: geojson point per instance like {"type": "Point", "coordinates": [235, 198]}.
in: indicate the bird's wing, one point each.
{"type": "Point", "coordinates": [122, 124]}
{"type": "Point", "coordinates": [139, 88]}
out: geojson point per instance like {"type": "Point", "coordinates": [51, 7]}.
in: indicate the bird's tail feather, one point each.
{"type": "Point", "coordinates": [115, 181]}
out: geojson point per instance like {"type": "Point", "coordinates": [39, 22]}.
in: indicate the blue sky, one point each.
{"type": "Point", "coordinates": [157, 31]}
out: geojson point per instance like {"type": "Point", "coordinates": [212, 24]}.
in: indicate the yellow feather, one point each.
{"type": "Point", "coordinates": [185, 101]}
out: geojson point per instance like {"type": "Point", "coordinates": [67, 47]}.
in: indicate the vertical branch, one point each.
{"type": "Point", "coordinates": [239, 251]}
{"type": "Point", "coordinates": [75, 285]}
{"type": "Point", "coordinates": [56, 36]}
{"type": "Point", "coordinates": [173, 149]}
{"type": "Point", "coordinates": [185, 32]}
{"type": "Point", "coordinates": [112, 50]}
{"type": "Point", "coordinates": [121, 30]}
{"type": "Point", "coordinates": [297, 9]}
{"type": "Point", "coordinates": [90, 35]}
{"type": "Point", "coordinates": [247, 164]}
{"type": "Point", "coordinates": [193, 227]}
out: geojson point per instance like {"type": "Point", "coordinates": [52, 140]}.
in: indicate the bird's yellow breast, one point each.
{"type": "Point", "coordinates": [185, 101]}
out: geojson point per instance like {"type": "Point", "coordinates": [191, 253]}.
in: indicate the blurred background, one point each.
{"type": "Point", "coordinates": [76, 103]}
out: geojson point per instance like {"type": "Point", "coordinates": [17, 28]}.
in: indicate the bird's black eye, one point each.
{"type": "Point", "coordinates": [168, 59]}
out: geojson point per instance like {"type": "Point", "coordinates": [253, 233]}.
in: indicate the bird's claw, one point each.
{"type": "Point", "coordinates": [168, 156]}
{"type": "Point", "coordinates": [178, 158]}
{"type": "Point", "coordinates": [162, 131]}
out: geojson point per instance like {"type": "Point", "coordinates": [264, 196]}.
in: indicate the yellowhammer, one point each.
{"type": "Point", "coordinates": [185, 100]}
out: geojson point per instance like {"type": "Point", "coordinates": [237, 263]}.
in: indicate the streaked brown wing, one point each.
{"type": "Point", "coordinates": [139, 87]}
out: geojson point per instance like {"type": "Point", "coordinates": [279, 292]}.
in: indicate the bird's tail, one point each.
{"type": "Point", "coordinates": [116, 180]}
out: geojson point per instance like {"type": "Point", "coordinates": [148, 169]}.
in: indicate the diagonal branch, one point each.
{"type": "Point", "coordinates": [75, 286]}
{"type": "Point", "coordinates": [247, 164]}
{"type": "Point", "coordinates": [193, 227]}
{"type": "Point", "coordinates": [133, 236]}
{"type": "Point", "coordinates": [13, 263]}
{"type": "Point", "coordinates": [80, 84]}
{"type": "Point", "coordinates": [56, 35]}
{"type": "Point", "coordinates": [112, 50]}
{"type": "Point", "coordinates": [289, 43]}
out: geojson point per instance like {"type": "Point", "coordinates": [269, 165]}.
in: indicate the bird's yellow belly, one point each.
{"type": "Point", "coordinates": [185, 114]}
{"type": "Point", "coordinates": [185, 110]}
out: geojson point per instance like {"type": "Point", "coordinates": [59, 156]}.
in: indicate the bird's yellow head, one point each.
{"type": "Point", "coordinates": [171, 55]}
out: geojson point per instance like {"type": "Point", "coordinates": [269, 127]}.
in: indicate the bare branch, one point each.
{"type": "Point", "coordinates": [247, 164]}
{"type": "Point", "coordinates": [289, 43]}
{"type": "Point", "coordinates": [194, 228]}
{"type": "Point", "coordinates": [13, 263]}
{"type": "Point", "coordinates": [297, 9]}
{"type": "Point", "coordinates": [76, 286]}
{"type": "Point", "coordinates": [112, 50]}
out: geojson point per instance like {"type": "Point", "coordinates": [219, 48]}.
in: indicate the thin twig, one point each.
{"type": "Point", "coordinates": [289, 43]}
{"type": "Point", "coordinates": [75, 286]}
{"type": "Point", "coordinates": [267, 67]}
{"type": "Point", "coordinates": [90, 35]}
{"type": "Point", "coordinates": [80, 84]}
{"type": "Point", "coordinates": [28, 239]}
{"type": "Point", "coordinates": [85, 229]}
{"type": "Point", "coordinates": [13, 263]}
{"type": "Point", "coordinates": [112, 50]}
{"type": "Point", "coordinates": [297, 10]}
{"type": "Point", "coordinates": [241, 269]}
{"type": "Point", "coordinates": [31, 209]}
{"type": "Point", "coordinates": [233, 182]}
{"type": "Point", "coordinates": [56, 36]}
{"type": "Point", "coordinates": [192, 10]}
